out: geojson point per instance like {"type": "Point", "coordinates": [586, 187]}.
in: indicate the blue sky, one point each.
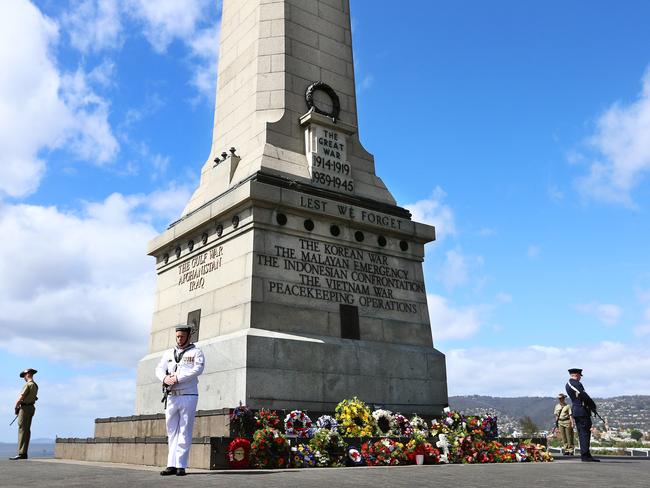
{"type": "Point", "coordinates": [520, 129]}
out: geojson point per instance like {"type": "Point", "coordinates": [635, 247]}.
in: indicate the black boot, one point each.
{"type": "Point", "coordinates": [590, 459]}
{"type": "Point", "coordinates": [180, 472]}
{"type": "Point", "coordinates": [18, 456]}
{"type": "Point", "coordinates": [169, 470]}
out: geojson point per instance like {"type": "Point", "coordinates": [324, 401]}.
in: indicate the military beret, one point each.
{"type": "Point", "coordinates": [561, 395]}
{"type": "Point", "coordinates": [183, 328]}
{"type": "Point", "coordinates": [28, 371]}
{"type": "Point", "coordinates": [575, 371]}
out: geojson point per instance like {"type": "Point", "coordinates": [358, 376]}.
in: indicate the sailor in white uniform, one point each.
{"type": "Point", "coordinates": [179, 369]}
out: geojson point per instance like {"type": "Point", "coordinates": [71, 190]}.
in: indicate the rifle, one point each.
{"type": "Point", "coordinates": [165, 391]}
{"type": "Point", "coordinates": [596, 414]}
{"type": "Point", "coordinates": [12, 422]}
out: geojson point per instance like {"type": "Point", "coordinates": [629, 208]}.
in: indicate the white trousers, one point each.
{"type": "Point", "coordinates": [179, 418]}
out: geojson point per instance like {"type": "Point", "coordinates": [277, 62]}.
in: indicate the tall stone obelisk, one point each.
{"type": "Point", "coordinates": [300, 274]}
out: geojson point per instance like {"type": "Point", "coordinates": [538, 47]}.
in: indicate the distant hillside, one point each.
{"type": "Point", "coordinates": [623, 412]}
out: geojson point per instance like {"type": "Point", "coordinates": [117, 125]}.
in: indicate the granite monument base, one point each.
{"type": "Point", "coordinates": [266, 369]}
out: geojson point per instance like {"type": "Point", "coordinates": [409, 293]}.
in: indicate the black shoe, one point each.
{"type": "Point", "coordinates": [590, 460]}
{"type": "Point", "coordinates": [19, 456]}
{"type": "Point", "coordinates": [168, 471]}
{"type": "Point", "coordinates": [180, 472]}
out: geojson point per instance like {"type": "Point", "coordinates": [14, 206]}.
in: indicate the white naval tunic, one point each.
{"type": "Point", "coordinates": [181, 402]}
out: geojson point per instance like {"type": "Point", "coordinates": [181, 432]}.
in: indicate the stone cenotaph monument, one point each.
{"type": "Point", "coordinates": [301, 277]}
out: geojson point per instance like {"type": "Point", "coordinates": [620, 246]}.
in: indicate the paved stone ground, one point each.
{"type": "Point", "coordinates": [610, 473]}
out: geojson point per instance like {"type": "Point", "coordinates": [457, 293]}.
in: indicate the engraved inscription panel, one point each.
{"type": "Point", "coordinates": [328, 160]}
{"type": "Point", "coordinates": [311, 269]}
{"type": "Point", "coordinates": [193, 272]}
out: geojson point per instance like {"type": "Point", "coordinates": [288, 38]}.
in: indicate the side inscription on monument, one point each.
{"type": "Point", "coordinates": [194, 271]}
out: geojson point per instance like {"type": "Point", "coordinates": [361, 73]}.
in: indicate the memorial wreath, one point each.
{"type": "Point", "coordinates": [238, 453]}
{"type": "Point", "coordinates": [384, 452]}
{"type": "Point", "coordinates": [385, 421]}
{"type": "Point", "coordinates": [354, 418]}
{"type": "Point", "coordinates": [303, 456]}
{"type": "Point", "coordinates": [269, 449]}
{"type": "Point", "coordinates": [329, 448]}
{"type": "Point", "coordinates": [297, 423]}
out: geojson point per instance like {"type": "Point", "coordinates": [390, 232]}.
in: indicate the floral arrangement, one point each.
{"type": "Point", "coordinates": [480, 451]}
{"type": "Point", "coordinates": [269, 449]}
{"type": "Point", "coordinates": [534, 452]}
{"type": "Point", "coordinates": [489, 427]}
{"type": "Point", "coordinates": [403, 426]}
{"type": "Point", "coordinates": [384, 452]}
{"type": "Point", "coordinates": [354, 418]}
{"type": "Point", "coordinates": [327, 422]}
{"type": "Point", "coordinates": [451, 422]}
{"type": "Point", "coordinates": [238, 453]}
{"type": "Point", "coordinates": [297, 423]}
{"type": "Point", "coordinates": [303, 456]}
{"type": "Point", "coordinates": [419, 425]}
{"type": "Point", "coordinates": [384, 421]}
{"type": "Point", "coordinates": [242, 421]}
{"type": "Point", "coordinates": [329, 448]}
{"type": "Point", "coordinates": [456, 439]}
{"type": "Point", "coordinates": [267, 419]}
{"type": "Point", "coordinates": [420, 445]}
{"type": "Point", "coordinates": [464, 449]}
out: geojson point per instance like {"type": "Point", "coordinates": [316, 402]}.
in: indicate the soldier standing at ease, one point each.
{"type": "Point", "coordinates": [179, 369]}
{"type": "Point", "coordinates": [581, 410]}
{"type": "Point", "coordinates": [564, 423]}
{"type": "Point", "coordinates": [25, 409]}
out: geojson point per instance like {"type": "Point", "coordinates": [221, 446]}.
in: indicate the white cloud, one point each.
{"type": "Point", "coordinates": [167, 204]}
{"type": "Point", "coordinates": [80, 286]}
{"type": "Point", "coordinates": [90, 135]}
{"type": "Point", "coordinates": [93, 25]}
{"type": "Point", "coordinates": [103, 74]}
{"type": "Point", "coordinates": [606, 313]}
{"type": "Point", "coordinates": [449, 322]}
{"type": "Point", "coordinates": [622, 150]}
{"type": "Point", "coordinates": [30, 108]}
{"type": "Point", "coordinates": [40, 108]}
{"type": "Point", "coordinates": [204, 47]}
{"type": "Point", "coordinates": [643, 329]}
{"type": "Point", "coordinates": [610, 369]}
{"type": "Point", "coordinates": [455, 271]}
{"type": "Point", "coordinates": [96, 25]}
{"type": "Point", "coordinates": [434, 212]}
{"type": "Point", "coordinates": [166, 20]}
